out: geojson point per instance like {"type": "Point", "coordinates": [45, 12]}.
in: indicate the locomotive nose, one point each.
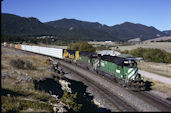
{"type": "Point", "coordinates": [132, 72]}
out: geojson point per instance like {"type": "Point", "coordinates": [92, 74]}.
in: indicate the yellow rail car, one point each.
{"type": "Point", "coordinates": [65, 54]}
{"type": "Point", "coordinates": [71, 54]}
{"type": "Point", "coordinates": [18, 46]}
{"type": "Point", "coordinates": [12, 45]}
{"type": "Point", "coordinates": [76, 55]}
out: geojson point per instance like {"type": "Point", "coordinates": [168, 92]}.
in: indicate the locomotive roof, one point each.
{"type": "Point", "coordinates": [71, 51]}
{"type": "Point", "coordinates": [89, 54]}
{"type": "Point", "coordinates": [115, 59]}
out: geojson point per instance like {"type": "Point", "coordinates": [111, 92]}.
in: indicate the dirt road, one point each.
{"type": "Point", "coordinates": [155, 77]}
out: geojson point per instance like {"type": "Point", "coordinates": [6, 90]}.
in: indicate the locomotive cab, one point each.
{"type": "Point", "coordinates": [130, 69]}
{"type": "Point", "coordinates": [130, 63]}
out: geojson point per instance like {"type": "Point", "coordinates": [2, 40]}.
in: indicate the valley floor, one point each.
{"type": "Point", "coordinates": [159, 45]}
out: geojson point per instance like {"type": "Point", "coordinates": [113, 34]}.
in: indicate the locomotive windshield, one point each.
{"type": "Point", "coordinates": [130, 63]}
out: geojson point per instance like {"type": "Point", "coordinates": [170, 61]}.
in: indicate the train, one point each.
{"type": "Point", "coordinates": [122, 70]}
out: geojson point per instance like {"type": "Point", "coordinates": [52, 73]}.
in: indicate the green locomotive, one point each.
{"type": "Point", "coordinates": [123, 70]}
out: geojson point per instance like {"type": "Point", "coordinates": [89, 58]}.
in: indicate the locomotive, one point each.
{"type": "Point", "coordinates": [122, 70]}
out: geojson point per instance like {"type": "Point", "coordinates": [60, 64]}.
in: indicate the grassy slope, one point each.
{"type": "Point", "coordinates": [29, 97]}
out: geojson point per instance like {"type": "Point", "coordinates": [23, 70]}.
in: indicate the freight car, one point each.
{"type": "Point", "coordinates": [123, 70]}
{"type": "Point", "coordinates": [70, 55]}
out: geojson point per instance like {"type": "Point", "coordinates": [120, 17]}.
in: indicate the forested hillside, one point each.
{"type": "Point", "coordinates": [72, 29]}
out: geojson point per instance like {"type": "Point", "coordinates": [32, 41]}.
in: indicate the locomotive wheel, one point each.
{"type": "Point", "coordinates": [87, 68]}
{"type": "Point", "coordinates": [97, 72]}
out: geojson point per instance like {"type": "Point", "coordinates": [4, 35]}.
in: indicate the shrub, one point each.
{"type": "Point", "coordinates": [25, 104]}
{"type": "Point", "coordinates": [82, 46]}
{"type": "Point", "coordinates": [29, 65]}
{"type": "Point", "coordinates": [17, 63]}
{"type": "Point", "coordinates": [41, 96]}
{"type": "Point", "coordinates": [20, 64]}
{"type": "Point", "coordinates": [103, 47]}
{"type": "Point", "coordinates": [13, 104]}
{"type": "Point", "coordinates": [150, 54]}
{"type": "Point", "coordinates": [69, 99]}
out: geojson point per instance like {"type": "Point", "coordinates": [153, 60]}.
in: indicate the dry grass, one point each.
{"type": "Point", "coordinates": [161, 87]}
{"type": "Point", "coordinates": [158, 68]}
{"type": "Point", "coordinates": [13, 82]}
{"type": "Point", "coordinates": [37, 61]}
{"type": "Point", "coordinates": [159, 45]}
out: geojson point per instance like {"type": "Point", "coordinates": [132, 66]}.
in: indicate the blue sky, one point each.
{"type": "Point", "coordinates": [155, 13]}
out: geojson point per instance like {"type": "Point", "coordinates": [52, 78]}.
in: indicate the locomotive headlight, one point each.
{"type": "Point", "coordinates": [121, 76]}
{"type": "Point", "coordinates": [142, 78]}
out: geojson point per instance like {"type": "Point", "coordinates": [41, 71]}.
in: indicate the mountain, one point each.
{"type": "Point", "coordinates": [168, 32]}
{"type": "Point", "coordinates": [13, 24]}
{"type": "Point", "coordinates": [16, 25]}
{"type": "Point", "coordinates": [129, 30]}
{"type": "Point", "coordinates": [124, 31]}
{"type": "Point", "coordinates": [88, 30]}
{"type": "Point", "coordinates": [76, 29]}
{"type": "Point", "coordinates": [75, 24]}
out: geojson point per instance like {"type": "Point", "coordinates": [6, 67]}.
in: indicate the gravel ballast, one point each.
{"type": "Point", "coordinates": [99, 99]}
{"type": "Point", "coordinates": [131, 99]}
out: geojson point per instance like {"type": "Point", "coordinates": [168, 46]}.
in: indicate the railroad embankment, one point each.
{"type": "Point", "coordinates": [132, 100]}
{"type": "Point", "coordinates": [29, 84]}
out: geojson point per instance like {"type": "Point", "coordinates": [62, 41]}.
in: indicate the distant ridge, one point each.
{"type": "Point", "coordinates": [76, 29]}
{"type": "Point", "coordinates": [159, 39]}
{"type": "Point", "coordinates": [168, 32]}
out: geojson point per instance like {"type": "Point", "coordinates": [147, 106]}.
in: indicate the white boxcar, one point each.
{"type": "Point", "coordinates": [5, 44]}
{"type": "Point", "coordinates": [54, 52]}
{"type": "Point", "coordinates": [23, 47]}
{"type": "Point", "coordinates": [43, 50]}
{"type": "Point", "coordinates": [35, 49]}
{"type": "Point", "coordinates": [15, 45]}
{"type": "Point", "coordinates": [28, 48]}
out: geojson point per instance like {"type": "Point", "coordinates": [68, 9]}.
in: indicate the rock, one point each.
{"type": "Point", "coordinates": [29, 109]}
{"type": "Point", "coordinates": [54, 96]}
{"type": "Point", "coordinates": [54, 109]}
{"type": "Point", "coordinates": [8, 95]}
{"type": "Point", "coordinates": [98, 102]}
{"type": "Point", "coordinates": [59, 107]}
{"type": "Point", "coordinates": [23, 78]}
{"type": "Point", "coordinates": [5, 74]}
{"type": "Point", "coordinates": [65, 86]}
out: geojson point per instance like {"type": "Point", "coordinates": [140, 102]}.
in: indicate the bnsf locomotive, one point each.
{"type": "Point", "coordinates": [122, 70]}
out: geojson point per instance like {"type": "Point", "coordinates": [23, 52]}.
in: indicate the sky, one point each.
{"type": "Point", "coordinates": [155, 13]}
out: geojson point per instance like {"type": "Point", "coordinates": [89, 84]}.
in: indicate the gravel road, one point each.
{"type": "Point", "coordinates": [155, 77]}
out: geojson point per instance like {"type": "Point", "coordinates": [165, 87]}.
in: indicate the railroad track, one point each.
{"type": "Point", "coordinates": [155, 101]}
{"type": "Point", "coordinates": [112, 99]}
{"type": "Point", "coordinates": [149, 98]}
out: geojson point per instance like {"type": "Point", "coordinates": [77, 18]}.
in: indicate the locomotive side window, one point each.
{"type": "Point", "coordinates": [130, 63]}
